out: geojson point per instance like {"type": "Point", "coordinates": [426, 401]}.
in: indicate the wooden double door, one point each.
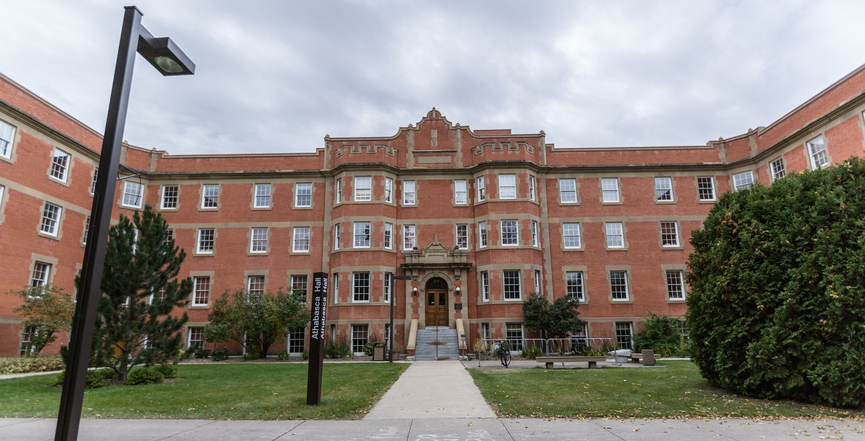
{"type": "Point", "coordinates": [436, 307]}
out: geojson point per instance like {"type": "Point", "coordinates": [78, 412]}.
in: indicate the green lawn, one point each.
{"type": "Point", "coordinates": [674, 391]}
{"type": "Point", "coordinates": [230, 391]}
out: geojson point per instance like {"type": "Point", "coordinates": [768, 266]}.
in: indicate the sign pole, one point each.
{"type": "Point", "coordinates": [316, 339]}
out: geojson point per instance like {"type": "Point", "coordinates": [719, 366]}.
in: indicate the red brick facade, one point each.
{"type": "Point", "coordinates": [616, 221]}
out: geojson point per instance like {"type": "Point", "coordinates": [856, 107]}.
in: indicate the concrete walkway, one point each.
{"type": "Point", "coordinates": [29, 429]}
{"type": "Point", "coordinates": [432, 389]}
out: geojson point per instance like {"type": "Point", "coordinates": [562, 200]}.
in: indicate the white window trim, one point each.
{"type": "Point", "coordinates": [482, 234]}
{"type": "Point", "coordinates": [502, 233]}
{"type": "Point", "coordinates": [388, 236]}
{"type": "Point", "coordinates": [464, 191]}
{"type": "Point", "coordinates": [519, 286]}
{"type": "Point", "coordinates": [204, 195]}
{"type": "Point", "coordinates": [682, 285]}
{"type": "Point", "coordinates": [750, 184]}
{"type": "Point", "coordinates": [578, 235]}
{"type": "Point", "coordinates": [712, 184]}
{"type": "Point", "coordinates": [582, 294]}
{"type": "Point", "coordinates": [405, 229]}
{"type": "Point", "coordinates": [140, 194]}
{"type": "Point", "coordinates": [501, 179]}
{"type": "Point", "coordinates": [562, 191]}
{"type": "Point", "coordinates": [773, 171]}
{"type": "Point", "coordinates": [195, 290]}
{"type": "Point", "coordinates": [55, 231]}
{"type": "Point", "coordinates": [481, 188]}
{"type": "Point", "coordinates": [176, 198]}
{"type": "Point", "coordinates": [11, 141]}
{"type": "Point", "coordinates": [676, 226]}
{"type": "Point", "coordinates": [388, 190]}
{"type": "Point", "coordinates": [294, 240]}
{"type": "Point", "coordinates": [670, 182]}
{"type": "Point", "coordinates": [531, 188]}
{"type": "Point", "coordinates": [387, 288]}
{"type": "Point", "coordinates": [535, 232]}
{"type": "Point", "coordinates": [607, 235]}
{"type": "Point", "coordinates": [485, 286]}
{"type": "Point", "coordinates": [199, 241]}
{"type": "Point", "coordinates": [406, 193]}
{"type": "Point", "coordinates": [357, 180]}
{"type": "Point", "coordinates": [603, 191]}
{"type": "Point", "coordinates": [354, 235]}
{"type": "Point", "coordinates": [336, 236]}
{"type": "Point", "coordinates": [627, 286]}
{"type": "Point", "coordinates": [338, 186]}
{"type": "Point", "coordinates": [297, 194]}
{"type": "Point", "coordinates": [66, 167]}
{"type": "Point", "coordinates": [457, 231]}
{"type": "Point", "coordinates": [812, 154]}
{"type": "Point", "coordinates": [269, 196]}
{"type": "Point", "coordinates": [353, 287]}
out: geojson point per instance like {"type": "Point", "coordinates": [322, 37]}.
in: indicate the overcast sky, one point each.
{"type": "Point", "coordinates": [277, 76]}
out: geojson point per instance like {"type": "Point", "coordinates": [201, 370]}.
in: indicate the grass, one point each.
{"type": "Point", "coordinates": [231, 391]}
{"type": "Point", "coordinates": [674, 391]}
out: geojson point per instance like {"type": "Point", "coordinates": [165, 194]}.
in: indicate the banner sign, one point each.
{"type": "Point", "coordinates": [317, 338]}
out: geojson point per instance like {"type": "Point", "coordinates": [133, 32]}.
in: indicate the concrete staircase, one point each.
{"type": "Point", "coordinates": [448, 348]}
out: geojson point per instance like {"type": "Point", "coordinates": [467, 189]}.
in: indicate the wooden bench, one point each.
{"type": "Point", "coordinates": [548, 361]}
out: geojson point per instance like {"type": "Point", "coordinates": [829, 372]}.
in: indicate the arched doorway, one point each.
{"type": "Point", "coordinates": [436, 302]}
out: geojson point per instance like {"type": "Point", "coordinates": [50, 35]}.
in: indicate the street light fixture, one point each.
{"type": "Point", "coordinates": [163, 54]}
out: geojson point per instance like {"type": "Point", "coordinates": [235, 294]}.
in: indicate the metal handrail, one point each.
{"type": "Point", "coordinates": [549, 346]}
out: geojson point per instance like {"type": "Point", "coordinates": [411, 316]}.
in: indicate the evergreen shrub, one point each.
{"type": "Point", "coordinates": [777, 301]}
{"type": "Point", "coordinates": [145, 376]}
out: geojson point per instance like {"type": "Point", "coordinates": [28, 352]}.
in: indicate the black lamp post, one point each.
{"type": "Point", "coordinates": [166, 57]}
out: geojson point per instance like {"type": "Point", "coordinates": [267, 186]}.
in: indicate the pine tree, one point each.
{"type": "Point", "coordinates": [135, 324]}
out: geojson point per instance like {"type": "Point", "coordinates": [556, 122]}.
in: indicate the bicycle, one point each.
{"type": "Point", "coordinates": [504, 353]}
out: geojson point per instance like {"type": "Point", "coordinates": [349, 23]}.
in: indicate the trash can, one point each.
{"type": "Point", "coordinates": [378, 351]}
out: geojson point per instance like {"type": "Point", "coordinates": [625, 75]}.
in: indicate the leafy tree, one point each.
{"type": "Point", "coordinates": [777, 276]}
{"type": "Point", "coordinates": [555, 319]}
{"type": "Point", "coordinates": [256, 321]}
{"type": "Point", "coordinates": [49, 310]}
{"type": "Point", "coordinates": [660, 332]}
{"type": "Point", "coordinates": [135, 323]}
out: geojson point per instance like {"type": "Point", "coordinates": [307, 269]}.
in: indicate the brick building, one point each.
{"type": "Point", "coordinates": [479, 219]}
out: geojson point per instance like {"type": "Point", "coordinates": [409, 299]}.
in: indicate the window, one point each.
{"type": "Point", "coordinates": [534, 233]}
{"type": "Point", "coordinates": [255, 285]}
{"type": "Point", "coordinates": [532, 187]}
{"type": "Point", "coordinates": [361, 234]}
{"type": "Point", "coordinates": [338, 186]}
{"type": "Point", "coordinates": [301, 239]}
{"type": "Point", "coordinates": [41, 271]}
{"type": "Point", "coordinates": [610, 188]}
{"type": "Point", "coordinates": [408, 193]}
{"type": "Point", "coordinates": [93, 183]}
{"type": "Point", "coordinates": [663, 189]}
{"type": "Point", "coordinates": [201, 294]}
{"type": "Point", "coordinates": [408, 235]}
{"type": "Point", "coordinates": [51, 219]}
{"type": "Point", "coordinates": [7, 136]}
{"type": "Point", "coordinates": [169, 236]}
{"type": "Point", "coordinates": [623, 335]}
{"type": "Point", "coordinates": [669, 234]}
{"type": "Point", "coordinates": [296, 340]}
{"type": "Point", "coordinates": [298, 283]}
{"type": "Point", "coordinates": [514, 335]}
{"type": "Point", "coordinates": [388, 286]}
{"type": "Point", "coordinates": [571, 235]}
{"type": "Point", "coordinates": [675, 287]}
{"type": "Point", "coordinates": [262, 196]}
{"type": "Point", "coordinates": [512, 285]}
{"type": "Point", "coordinates": [169, 197]}
{"type": "Point", "coordinates": [537, 281]}
{"type": "Point", "coordinates": [619, 285]}
{"type": "Point", "coordinates": [210, 196]}
{"type": "Point", "coordinates": [510, 233]}
{"type": "Point", "coordinates": [360, 287]}
{"type": "Point", "coordinates": [363, 188]}
{"type": "Point", "coordinates": [27, 336]}
{"type": "Point", "coordinates": [206, 239]}
{"type": "Point", "coordinates": [387, 335]}
{"type": "Point", "coordinates": [388, 190]}
{"type": "Point", "coordinates": [335, 288]}
{"type": "Point", "coordinates": [359, 337]}
{"type": "Point", "coordinates": [388, 236]}
{"type": "Point", "coordinates": [463, 236]}
{"type": "Point", "coordinates": [742, 181]}
{"type": "Point", "coordinates": [568, 191]}
{"type": "Point", "coordinates": [132, 192]}
{"type": "Point", "coordinates": [817, 149]}
{"type": "Point", "coordinates": [460, 192]}
{"type": "Point", "coordinates": [336, 237]}
{"type": "Point", "coordinates": [482, 234]}
{"type": "Point", "coordinates": [485, 286]}
{"type": "Point", "coordinates": [615, 235]}
{"type": "Point", "coordinates": [303, 195]}
{"type": "Point", "coordinates": [196, 336]}
{"type": "Point", "coordinates": [507, 186]}
{"type": "Point", "coordinates": [682, 327]}
{"type": "Point", "coordinates": [60, 165]}
{"type": "Point", "coordinates": [86, 225]}
{"type": "Point", "coordinates": [485, 331]}
{"type": "Point", "coordinates": [706, 188]}
{"type": "Point", "coordinates": [776, 167]}
{"type": "Point", "coordinates": [481, 189]}
{"type": "Point", "coordinates": [574, 284]}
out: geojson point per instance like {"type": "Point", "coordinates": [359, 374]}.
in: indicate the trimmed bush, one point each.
{"type": "Point", "coordinates": [22, 365]}
{"type": "Point", "coordinates": [777, 302]}
{"type": "Point", "coordinates": [220, 353]}
{"type": "Point", "coordinates": [95, 378]}
{"type": "Point", "coordinates": [167, 370]}
{"type": "Point", "coordinates": [660, 333]}
{"type": "Point", "coordinates": [144, 376]}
